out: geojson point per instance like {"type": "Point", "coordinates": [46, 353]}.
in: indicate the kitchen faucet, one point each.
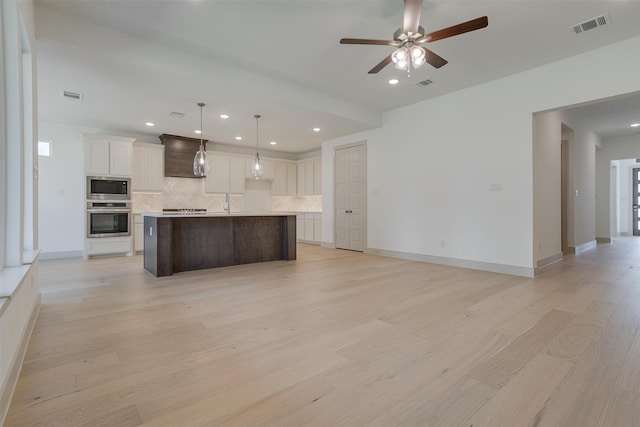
{"type": "Point", "coordinates": [227, 205]}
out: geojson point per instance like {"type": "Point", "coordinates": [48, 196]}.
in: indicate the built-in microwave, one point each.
{"type": "Point", "coordinates": [105, 188]}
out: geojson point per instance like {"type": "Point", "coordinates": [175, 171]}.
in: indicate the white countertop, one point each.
{"type": "Point", "coordinates": [216, 214]}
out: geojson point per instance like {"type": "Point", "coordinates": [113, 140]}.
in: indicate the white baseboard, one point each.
{"type": "Point", "coordinates": [549, 260]}
{"type": "Point", "coordinates": [603, 239]}
{"type": "Point", "coordinates": [544, 262]}
{"type": "Point", "coordinates": [328, 245]}
{"type": "Point", "coordinates": [513, 270]}
{"type": "Point", "coordinates": [585, 247]}
{"type": "Point", "coordinates": [60, 254]}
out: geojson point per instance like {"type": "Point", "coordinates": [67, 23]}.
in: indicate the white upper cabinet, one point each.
{"type": "Point", "coordinates": [107, 155]}
{"type": "Point", "coordinates": [226, 174]}
{"type": "Point", "coordinates": [292, 179]}
{"type": "Point", "coordinates": [285, 179]}
{"type": "Point", "coordinates": [148, 167]}
{"type": "Point", "coordinates": [236, 175]}
{"type": "Point", "coordinates": [279, 187]}
{"type": "Point", "coordinates": [302, 179]}
{"type": "Point", "coordinates": [317, 177]}
{"type": "Point", "coordinates": [309, 177]}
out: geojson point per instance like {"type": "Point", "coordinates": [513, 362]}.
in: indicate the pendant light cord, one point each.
{"type": "Point", "coordinates": [201, 104]}
{"type": "Point", "coordinates": [257, 116]}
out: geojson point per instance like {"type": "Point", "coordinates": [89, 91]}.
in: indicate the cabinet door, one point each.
{"type": "Point", "coordinates": [96, 158]}
{"type": "Point", "coordinates": [302, 179]}
{"type": "Point", "coordinates": [308, 179]}
{"type": "Point", "coordinates": [269, 169]}
{"type": "Point", "coordinates": [292, 179]}
{"type": "Point", "coordinates": [317, 177]}
{"type": "Point", "coordinates": [138, 237]}
{"type": "Point", "coordinates": [236, 175]}
{"type": "Point", "coordinates": [120, 158]}
{"type": "Point", "coordinates": [308, 227]}
{"type": "Point", "coordinates": [317, 227]}
{"type": "Point", "coordinates": [138, 169]}
{"type": "Point", "coordinates": [279, 187]}
{"type": "Point", "coordinates": [217, 179]}
{"type": "Point", "coordinates": [300, 227]}
{"type": "Point", "coordinates": [154, 168]}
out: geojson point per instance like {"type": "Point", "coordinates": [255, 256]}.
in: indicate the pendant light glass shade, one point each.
{"type": "Point", "coordinates": [257, 167]}
{"type": "Point", "coordinates": [200, 163]}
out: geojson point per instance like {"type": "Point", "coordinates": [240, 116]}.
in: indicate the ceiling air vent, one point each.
{"type": "Point", "coordinates": [176, 115]}
{"type": "Point", "coordinates": [425, 82]}
{"type": "Point", "coordinates": [596, 22]}
{"type": "Point", "coordinates": [73, 96]}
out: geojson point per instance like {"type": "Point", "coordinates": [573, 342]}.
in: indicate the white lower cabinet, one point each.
{"type": "Point", "coordinates": [309, 228]}
{"type": "Point", "coordinates": [138, 233]}
{"type": "Point", "coordinates": [300, 227]}
{"type": "Point", "coordinates": [107, 245]}
{"type": "Point", "coordinates": [317, 227]}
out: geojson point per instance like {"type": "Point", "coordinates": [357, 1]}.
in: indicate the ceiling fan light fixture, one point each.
{"type": "Point", "coordinates": [417, 52]}
{"type": "Point", "coordinates": [400, 55]}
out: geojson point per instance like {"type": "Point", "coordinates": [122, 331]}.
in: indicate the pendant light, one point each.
{"type": "Point", "coordinates": [200, 164]}
{"type": "Point", "coordinates": [256, 168]}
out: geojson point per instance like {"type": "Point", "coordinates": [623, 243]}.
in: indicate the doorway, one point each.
{"type": "Point", "coordinates": [635, 201]}
{"type": "Point", "coordinates": [350, 197]}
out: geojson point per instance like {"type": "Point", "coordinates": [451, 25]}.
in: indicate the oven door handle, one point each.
{"type": "Point", "coordinates": [108, 210]}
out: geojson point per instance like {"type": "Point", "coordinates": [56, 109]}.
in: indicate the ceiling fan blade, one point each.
{"type": "Point", "coordinates": [465, 27]}
{"type": "Point", "coordinates": [386, 61]}
{"type": "Point", "coordinates": [368, 41]}
{"type": "Point", "coordinates": [411, 16]}
{"type": "Point", "coordinates": [434, 59]}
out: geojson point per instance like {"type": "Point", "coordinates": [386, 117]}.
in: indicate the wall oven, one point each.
{"type": "Point", "coordinates": [108, 219]}
{"type": "Point", "coordinates": [105, 188]}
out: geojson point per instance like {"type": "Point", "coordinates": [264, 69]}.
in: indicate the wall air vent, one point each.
{"type": "Point", "coordinates": [425, 82]}
{"type": "Point", "coordinates": [596, 22]}
{"type": "Point", "coordinates": [73, 96]}
{"type": "Point", "coordinates": [176, 115]}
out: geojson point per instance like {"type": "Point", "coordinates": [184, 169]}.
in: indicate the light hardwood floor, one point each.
{"type": "Point", "coordinates": [335, 338]}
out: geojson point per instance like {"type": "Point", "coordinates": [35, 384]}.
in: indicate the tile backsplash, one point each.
{"type": "Point", "coordinates": [188, 193]}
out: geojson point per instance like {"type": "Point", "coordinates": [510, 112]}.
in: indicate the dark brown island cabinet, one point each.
{"type": "Point", "coordinates": [175, 243]}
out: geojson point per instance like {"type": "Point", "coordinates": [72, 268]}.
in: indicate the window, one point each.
{"type": "Point", "coordinates": [44, 148]}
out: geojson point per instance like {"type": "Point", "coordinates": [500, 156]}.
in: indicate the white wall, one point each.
{"type": "Point", "coordinates": [547, 226]}
{"type": "Point", "coordinates": [62, 191]}
{"type": "Point", "coordinates": [625, 147]}
{"type": "Point", "coordinates": [431, 164]}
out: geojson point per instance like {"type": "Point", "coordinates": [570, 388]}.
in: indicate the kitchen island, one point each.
{"type": "Point", "coordinates": [175, 243]}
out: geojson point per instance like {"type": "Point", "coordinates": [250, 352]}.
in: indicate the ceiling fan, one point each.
{"type": "Point", "coordinates": [409, 38]}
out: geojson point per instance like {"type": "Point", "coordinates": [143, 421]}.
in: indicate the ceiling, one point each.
{"type": "Point", "coordinates": [137, 61]}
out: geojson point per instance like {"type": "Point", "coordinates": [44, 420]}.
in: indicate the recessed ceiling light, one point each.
{"type": "Point", "coordinates": [394, 81]}
{"type": "Point", "coordinates": [150, 124]}
{"type": "Point", "coordinates": [224, 116]}
{"type": "Point", "coordinates": [316, 129]}
{"type": "Point", "coordinates": [238, 138]}
{"type": "Point", "coordinates": [635, 125]}
{"type": "Point", "coordinates": [198, 131]}
{"type": "Point", "coordinates": [273, 143]}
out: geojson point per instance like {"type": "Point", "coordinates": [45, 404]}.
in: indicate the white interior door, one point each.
{"type": "Point", "coordinates": [350, 198]}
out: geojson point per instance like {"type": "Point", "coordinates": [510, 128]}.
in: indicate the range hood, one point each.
{"type": "Point", "coordinates": [179, 152]}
